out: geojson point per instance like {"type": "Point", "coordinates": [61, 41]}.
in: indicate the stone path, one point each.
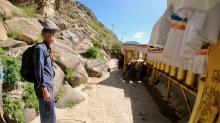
{"type": "Point", "coordinates": [110, 100]}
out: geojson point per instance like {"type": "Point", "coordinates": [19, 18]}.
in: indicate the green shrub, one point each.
{"type": "Point", "coordinates": [3, 17]}
{"type": "Point", "coordinates": [13, 108]}
{"type": "Point", "coordinates": [69, 74]}
{"type": "Point", "coordinates": [95, 53]}
{"type": "Point", "coordinates": [13, 33]}
{"type": "Point", "coordinates": [97, 43]}
{"type": "Point", "coordinates": [116, 47]}
{"type": "Point", "coordinates": [11, 69]}
{"type": "Point", "coordinates": [28, 11]}
{"type": "Point", "coordinates": [29, 96]}
{"type": "Point", "coordinates": [59, 93]}
{"type": "Point", "coordinates": [1, 51]}
{"type": "Point", "coordinates": [70, 104]}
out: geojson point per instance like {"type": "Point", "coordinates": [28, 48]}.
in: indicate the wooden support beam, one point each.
{"type": "Point", "coordinates": [186, 100]}
{"type": "Point", "coordinates": [168, 89]}
{"type": "Point", "coordinates": [206, 111]}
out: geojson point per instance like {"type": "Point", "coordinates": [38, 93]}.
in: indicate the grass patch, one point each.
{"type": "Point", "coordinates": [95, 53]}
{"type": "Point", "coordinates": [13, 108]}
{"type": "Point", "coordinates": [70, 104]}
{"type": "Point", "coordinates": [28, 11]}
{"type": "Point", "coordinates": [13, 33]}
{"type": "Point", "coordinates": [3, 17]}
{"type": "Point", "coordinates": [69, 74]}
{"type": "Point", "coordinates": [100, 28]}
{"type": "Point", "coordinates": [1, 51]}
{"type": "Point", "coordinates": [29, 96]}
{"type": "Point", "coordinates": [59, 93]}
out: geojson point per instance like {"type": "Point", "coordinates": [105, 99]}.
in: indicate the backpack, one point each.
{"type": "Point", "coordinates": [27, 66]}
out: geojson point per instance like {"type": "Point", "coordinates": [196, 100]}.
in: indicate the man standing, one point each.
{"type": "Point", "coordinates": [44, 73]}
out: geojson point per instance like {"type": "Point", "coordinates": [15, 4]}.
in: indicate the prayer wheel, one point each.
{"type": "Point", "coordinates": [149, 61]}
{"type": "Point", "coordinates": [181, 74]}
{"type": "Point", "coordinates": [152, 62]}
{"type": "Point", "coordinates": [167, 68]}
{"type": "Point", "coordinates": [162, 66]}
{"type": "Point", "coordinates": [173, 71]}
{"type": "Point", "coordinates": [158, 65]}
{"type": "Point", "coordinates": [155, 64]}
{"type": "Point", "coordinates": [190, 78]}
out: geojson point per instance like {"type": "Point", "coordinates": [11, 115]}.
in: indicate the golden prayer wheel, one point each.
{"type": "Point", "coordinates": [173, 71]}
{"type": "Point", "coordinates": [190, 78]}
{"type": "Point", "coordinates": [162, 66]}
{"type": "Point", "coordinates": [128, 54]}
{"type": "Point", "coordinates": [151, 62]}
{"type": "Point", "coordinates": [181, 74]}
{"type": "Point", "coordinates": [155, 64]}
{"type": "Point", "coordinates": [137, 55]}
{"type": "Point", "coordinates": [158, 65]}
{"type": "Point", "coordinates": [167, 68]}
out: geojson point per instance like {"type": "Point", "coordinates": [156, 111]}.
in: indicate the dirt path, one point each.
{"type": "Point", "coordinates": [110, 100]}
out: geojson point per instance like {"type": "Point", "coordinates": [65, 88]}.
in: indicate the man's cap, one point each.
{"type": "Point", "coordinates": [50, 26]}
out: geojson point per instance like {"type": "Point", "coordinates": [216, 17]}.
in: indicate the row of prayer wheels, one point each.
{"type": "Point", "coordinates": [177, 73]}
{"type": "Point", "coordinates": [131, 55]}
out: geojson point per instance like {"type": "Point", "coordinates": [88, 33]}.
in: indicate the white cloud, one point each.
{"type": "Point", "coordinates": [138, 35]}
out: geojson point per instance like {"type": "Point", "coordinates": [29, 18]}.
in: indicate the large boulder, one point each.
{"type": "Point", "coordinates": [58, 79]}
{"type": "Point", "coordinates": [69, 38]}
{"type": "Point", "coordinates": [106, 57]}
{"type": "Point", "coordinates": [29, 28]}
{"type": "Point", "coordinates": [69, 97]}
{"type": "Point", "coordinates": [62, 21]}
{"type": "Point", "coordinates": [84, 46]}
{"type": "Point", "coordinates": [72, 37]}
{"type": "Point", "coordinates": [96, 68]}
{"type": "Point", "coordinates": [29, 114]}
{"type": "Point", "coordinates": [64, 56]}
{"type": "Point", "coordinates": [81, 76]}
{"type": "Point", "coordinates": [15, 52]}
{"type": "Point", "coordinates": [8, 10]}
{"type": "Point", "coordinates": [3, 33]}
{"type": "Point", "coordinates": [11, 43]}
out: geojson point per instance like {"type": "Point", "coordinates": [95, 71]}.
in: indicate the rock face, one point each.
{"type": "Point", "coordinates": [8, 10]}
{"type": "Point", "coordinates": [96, 68]}
{"type": "Point", "coordinates": [29, 115]}
{"type": "Point", "coordinates": [11, 43]}
{"type": "Point", "coordinates": [69, 97]}
{"type": "Point", "coordinates": [58, 79]}
{"type": "Point", "coordinates": [69, 38]}
{"type": "Point", "coordinates": [64, 56]}
{"type": "Point", "coordinates": [15, 52]}
{"type": "Point", "coordinates": [81, 76]}
{"type": "Point", "coordinates": [161, 29]}
{"type": "Point", "coordinates": [84, 46]}
{"type": "Point", "coordinates": [3, 33]}
{"type": "Point", "coordinates": [30, 28]}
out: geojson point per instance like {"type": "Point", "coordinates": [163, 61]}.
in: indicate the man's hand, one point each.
{"type": "Point", "coordinates": [46, 94]}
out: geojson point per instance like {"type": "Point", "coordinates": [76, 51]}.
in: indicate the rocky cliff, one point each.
{"type": "Point", "coordinates": [82, 47]}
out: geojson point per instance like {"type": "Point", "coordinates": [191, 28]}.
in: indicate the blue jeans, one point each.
{"type": "Point", "coordinates": [47, 109]}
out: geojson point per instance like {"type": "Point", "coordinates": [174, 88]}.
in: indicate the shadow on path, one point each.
{"type": "Point", "coordinates": [146, 102]}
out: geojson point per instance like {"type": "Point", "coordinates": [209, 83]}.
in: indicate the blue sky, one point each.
{"type": "Point", "coordinates": [133, 20]}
